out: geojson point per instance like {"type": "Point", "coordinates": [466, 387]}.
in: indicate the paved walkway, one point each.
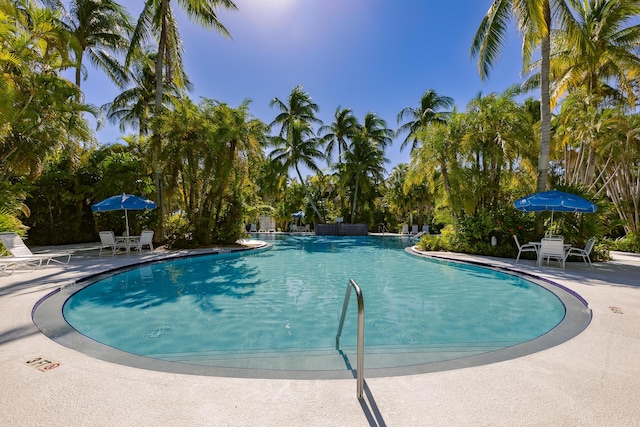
{"type": "Point", "coordinates": [591, 380]}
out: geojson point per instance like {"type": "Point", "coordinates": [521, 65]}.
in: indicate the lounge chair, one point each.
{"type": "Point", "coordinates": [552, 249]}
{"type": "Point", "coordinates": [253, 228]}
{"type": "Point", "coordinates": [146, 239]}
{"type": "Point", "coordinates": [417, 236]}
{"type": "Point", "coordinates": [414, 229]}
{"type": "Point", "coordinates": [8, 264]}
{"type": "Point", "coordinates": [584, 253]}
{"type": "Point", "coordinates": [22, 254]}
{"type": "Point", "coordinates": [405, 229]}
{"type": "Point", "coordinates": [108, 240]}
{"type": "Point", "coordinates": [527, 247]}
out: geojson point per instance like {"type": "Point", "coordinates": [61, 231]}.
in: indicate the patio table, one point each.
{"type": "Point", "coordinates": [129, 241]}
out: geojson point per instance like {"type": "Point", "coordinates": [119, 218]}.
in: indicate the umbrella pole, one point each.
{"type": "Point", "coordinates": [126, 220]}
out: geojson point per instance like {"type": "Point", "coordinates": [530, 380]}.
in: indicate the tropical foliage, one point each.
{"type": "Point", "coordinates": [213, 168]}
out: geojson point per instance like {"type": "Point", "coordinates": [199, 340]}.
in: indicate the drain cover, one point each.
{"type": "Point", "coordinates": [42, 364]}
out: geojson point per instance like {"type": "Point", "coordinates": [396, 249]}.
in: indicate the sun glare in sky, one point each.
{"type": "Point", "coordinates": [293, 23]}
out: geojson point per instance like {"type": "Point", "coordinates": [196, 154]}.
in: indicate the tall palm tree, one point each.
{"type": "Point", "coordinates": [100, 29]}
{"type": "Point", "coordinates": [299, 107]}
{"type": "Point", "coordinates": [535, 21]}
{"type": "Point", "coordinates": [337, 134]}
{"type": "Point", "coordinates": [296, 142]}
{"type": "Point", "coordinates": [375, 130]}
{"type": "Point", "coordinates": [157, 21]}
{"type": "Point", "coordinates": [363, 167]}
{"type": "Point", "coordinates": [427, 112]}
{"type": "Point", "coordinates": [364, 160]}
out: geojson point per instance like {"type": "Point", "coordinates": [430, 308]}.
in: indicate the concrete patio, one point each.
{"type": "Point", "coordinates": [591, 380]}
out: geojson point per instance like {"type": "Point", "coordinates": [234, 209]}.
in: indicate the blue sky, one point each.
{"type": "Point", "coordinates": [367, 55]}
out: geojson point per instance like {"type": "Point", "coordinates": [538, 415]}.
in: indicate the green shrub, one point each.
{"type": "Point", "coordinates": [628, 243]}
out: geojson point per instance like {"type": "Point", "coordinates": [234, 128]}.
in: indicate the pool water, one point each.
{"type": "Point", "coordinates": [280, 308]}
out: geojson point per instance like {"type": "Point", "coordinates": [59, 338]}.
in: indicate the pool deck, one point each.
{"type": "Point", "coordinates": [590, 380]}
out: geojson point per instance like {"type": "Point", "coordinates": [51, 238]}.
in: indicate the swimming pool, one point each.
{"type": "Point", "coordinates": [275, 313]}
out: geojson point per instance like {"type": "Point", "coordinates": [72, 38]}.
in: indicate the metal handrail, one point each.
{"type": "Point", "coordinates": [360, 369]}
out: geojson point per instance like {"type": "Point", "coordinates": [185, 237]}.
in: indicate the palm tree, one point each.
{"type": "Point", "coordinates": [598, 47]}
{"type": "Point", "coordinates": [299, 107]}
{"type": "Point", "coordinates": [300, 147]}
{"type": "Point", "coordinates": [296, 142]}
{"type": "Point", "coordinates": [207, 151]}
{"type": "Point", "coordinates": [363, 167]}
{"type": "Point", "coordinates": [375, 130]}
{"type": "Point", "coordinates": [364, 159]}
{"type": "Point", "coordinates": [535, 21]}
{"type": "Point", "coordinates": [99, 28]}
{"type": "Point", "coordinates": [134, 105]}
{"type": "Point", "coordinates": [427, 112]}
{"type": "Point", "coordinates": [438, 152]}
{"type": "Point", "coordinates": [38, 108]}
{"type": "Point", "coordinates": [336, 135]}
{"type": "Point", "coordinates": [157, 19]}
{"type": "Point", "coordinates": [497, 134]}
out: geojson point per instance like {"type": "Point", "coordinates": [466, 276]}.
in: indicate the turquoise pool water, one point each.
{"type": "Point", "coordinates": [280, 308]}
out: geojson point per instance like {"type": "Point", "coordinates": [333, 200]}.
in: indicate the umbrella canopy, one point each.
{"type": "Point", "coordinates": [555, 201]}
{"type": "Point", "coordinates": [298, 214]}
{"type": "Point", "coordinates": [126, 202]}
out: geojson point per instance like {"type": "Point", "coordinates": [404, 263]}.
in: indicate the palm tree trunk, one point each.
{"type": "Point", "coordinates": [353, 205]}
{"type": "Point", "coordinates": [447, 187]}
{"type": "Point", "coordinates": [79, 71]}
{"type": "Point", "coordinates": [545, 112]}
{"type": "Point", "coordinates": [159, 66]}
{"type": "Point", "coordinates": [545, 106]}
{"type": "Point", "coordinates": [306, 191]}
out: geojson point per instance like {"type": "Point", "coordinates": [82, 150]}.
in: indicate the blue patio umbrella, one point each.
{"type": "Point", "coordinates": [126, 202]}
{"type": "Point", "coordinates": [555, 201]}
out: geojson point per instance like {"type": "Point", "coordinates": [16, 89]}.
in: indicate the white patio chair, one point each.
{"type": "Point", "coordinates": [527, 247]}
{"type": "Point", "coordinates": [552, 249]}
{"type": "Point", "coordinates": [584, 253]}
{"type": "Point", "coordinates": [414, 229]}
{"type": "Point", "coordinates": [405, 229]}
{"type": "Point", "coordinates": [146, 239]}
{"type": "Point", "coordinates": [253, 228]}
{"type": "Point", "coordinates": [108, 240]}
